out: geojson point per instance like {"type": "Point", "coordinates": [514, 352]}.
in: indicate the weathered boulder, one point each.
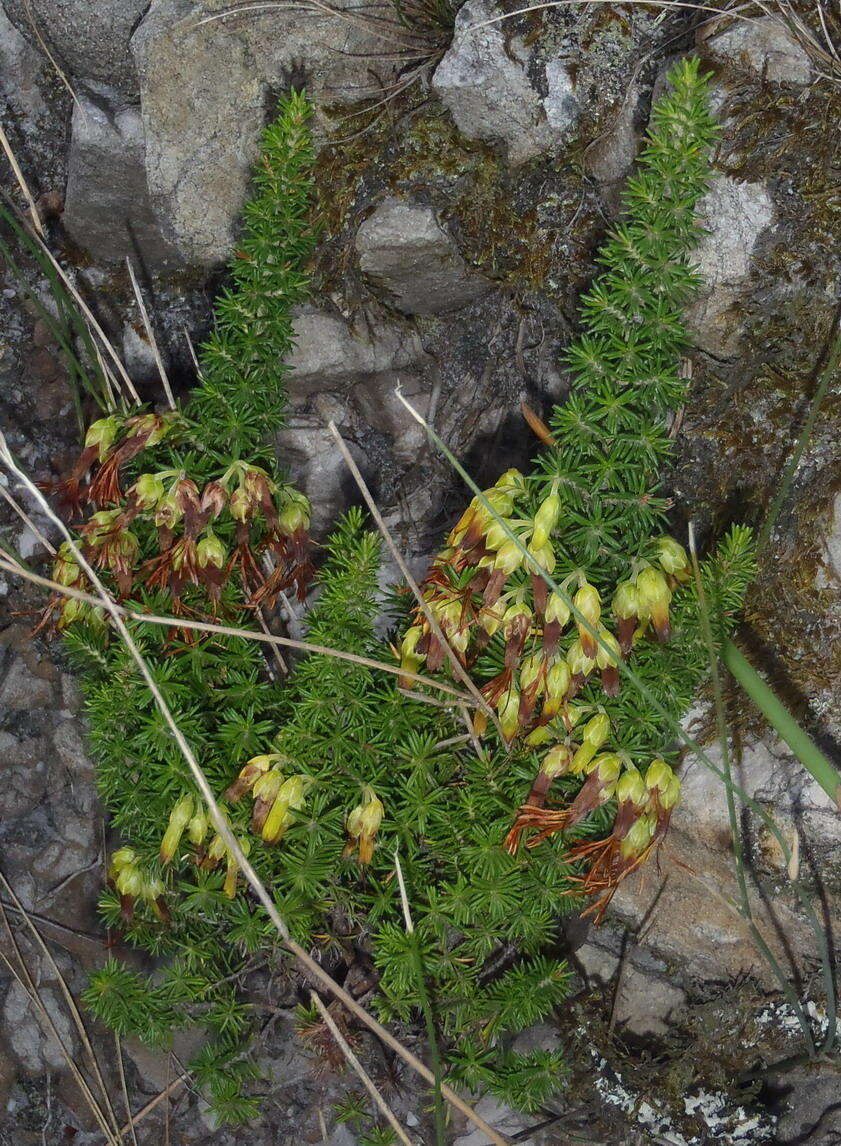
{"type": "Point", "coordinates": [690, 910]}
{"type": "Point", "coordinates": [207, 87]}
{"type": "Point", "coordinates": [486, 82]}
{"type": "Point", "coordinates": [764, 45]}
{"type": "Point", "coordinates": [735, 216]}
{"type": "Point", "coordinates": [332, 354]}
{"type": "Point", "coordinates": [89, 39]}
{"type": "Point", "coordinates": [107, 209]}
{"type": "Point", "coordinates": [29, 1035]}
{"type": "Point", "coordinates": [404, 248]}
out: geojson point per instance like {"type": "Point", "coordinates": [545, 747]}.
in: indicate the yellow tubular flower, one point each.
{"type": "Point", "coordinates": [655, 596]}
{"type": "Point", "coordinates": [631, 789]}
{"type": "Point", "coordinates": [589, 604]}
{"type": "Point", "coordinates": [363, 823]}
{"type": "Point", "coordinates": [639, 836]}
{"type": "Point", "coordinates": [508, 707]}
{"type": "Point", "coordinates": [557, 685]}
{"type": "Point", "coordinates": [556, 761]}
{"type": "Point", "coordinates": [557, 610]}
{"type": "Point", "coordinates": [595, 732]}
{"type": "Point", "coordinates": [179, 818]}
{"type": "Point", "coordinates": [102, 434]}
{"type": "Point", "coordinates": [546, 517]}
{"type": "Point", "coordinates": [673, 559]}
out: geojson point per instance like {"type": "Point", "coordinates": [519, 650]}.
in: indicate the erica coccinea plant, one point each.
{"type": "Point", "coordinates": [550, 581]}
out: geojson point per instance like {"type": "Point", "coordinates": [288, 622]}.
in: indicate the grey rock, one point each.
{"type": "Point", "coordinates": [331, 353]}
{"type": "Point", "coordinates": [308, 450]}
{"type": "Point", "coordinates": [763, 45]}
{"type": "Point", "coordinates": [88, 38]}
{"type": "Point", "coordinates": [22, 690]}
{"type": "Point", "coordinates": [736, 215]}
{"type": "Point", "coordinates": [814, 1110]}
{"type": "Point", "coordinates": [611, 155]}
{"type": "Point", "coordinates": [107, 207]}
{"type": "Point", "coordinates": [485, 81]}
{"type": "Point", "coordinates": [829, 572]}
{"type": "Point", "coordinates": [206, 92]}
{"type": "Point", "coordinates": [21, 71]}
{"type": "Point", "coordinates": [376, 402]}
{"type": "Point", "coordinates": [645, 1004]}
{"type": "Point", "coordinates": [30, 1039]}
{"type": "Point", "coordinates": [23, 775]}
{"type": "Point", "coordinates": [406, 250]}
{"type": "Point", "coordinates": [501, 1118]}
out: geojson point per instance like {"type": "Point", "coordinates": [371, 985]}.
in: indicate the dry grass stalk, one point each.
{"type": "Point", "coordinates": [25, 981]}
{"type": "Point", "coordinates": [24, 186]}
{"type": "Point", "coordinates": [65, 990]}
{"type": "Point", "coordinates": [150, 334]}
{"type": "Point", "coordinates": [356, 1065]}
{"type": "Point", "coordinates": [19, 570]}
{"type": "Point", "coordinates": [458, 669]}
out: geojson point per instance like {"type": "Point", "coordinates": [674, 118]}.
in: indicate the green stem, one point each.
{"type": "Point", "coordinates": [778, 716]}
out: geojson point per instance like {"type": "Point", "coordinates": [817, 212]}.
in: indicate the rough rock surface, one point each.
{"type": "Point", "coordinates": [89, 39]}
{"type": "Point", "coordinates": [107, 210]}
{"type": "Point", "coordinates": [735, 215]}
{"type": "Point", "coordinates": [202, 120]}
{"type": "Point", "coordinates": [764, 45]}
{"type": "Point", "coordinates": [404, 249]}
{"type": "Point", "coordinates": [485, 83]}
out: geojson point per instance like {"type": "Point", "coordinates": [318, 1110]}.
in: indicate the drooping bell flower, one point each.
{"type": "Point", "coordinates": [533, 671]}
{"type": "Point", "coordinates": [599, 787]}
{"type": "Point", "coordinates": [555, 618]}
{"type": "Point", "coordinates": [362, 824]}
{"type": "Point", "coordinates": [214, 498]}
{"type": "Point", "coordinates": [99, 438]}
{"type": "Point", "coordinates": [516, 625]}
{"type": "Point", "coordinates": [556, 688]}
{"type": "Point", "coordinates": [673, 559]}
{"type": "Point", "coordinates": [281, 815]}
{"type": "Point", "coordinates": [580, 666]}
{"type": "Point", "coordinates": [626, 610]}
{"type": "Point", "coordinates": [654, 596]}
{"type": "Point", "coordinates": [589, 604]}
{"type": "Point", "coordinates": [531, 814]}
{"type": "Point", "coordinates": [555, 763]}
{"type": "Point", "coordinates": [218, 851]}
{"type": "Point", "coordinates": [541, 560]}
{"type": "Point", "coordinates": [410, 660]}
{"type": "Point", "coordinates": [132, 883]}
{"type": "Point", "coordinates": [508, 708]}
{"type": "Point", "coordinates": [211, 558]}
{"type": "Point", "coordinates": [509, 557]}
{"type": "Point", "coordinates": [142, 432]}
{"type": "Point", "coordinates": [546, 517]}
{"type": "Point", "coordinates": [594, 734]}
{"type": "Point", "coordinates": [250, 773]}
{"type": "Point", "coordinates": [607, 659]}
{"type": "Point", "coordinates": [664, 792]}
{"type": "Point", "coordinates": [264, 788]}
{"type": "Point", "coordinates": [110, 546]}
{"type": "Point", "coordinates": [179, 818]}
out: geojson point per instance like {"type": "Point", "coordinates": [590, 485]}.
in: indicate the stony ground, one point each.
{"type": "Point", "coordinates": [460, 225]}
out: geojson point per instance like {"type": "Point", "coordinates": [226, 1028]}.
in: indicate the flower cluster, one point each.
{"type": "Point", "coordinates": [189, 816]}
{"type": "Point", "coordinates": [276, 798]}
{"type": "Point", "coordinates": [166, 532]}
{"type": "Point", "coordinates": [488, 585]}
{"type": "Point", "coordinates": [132, 882]}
